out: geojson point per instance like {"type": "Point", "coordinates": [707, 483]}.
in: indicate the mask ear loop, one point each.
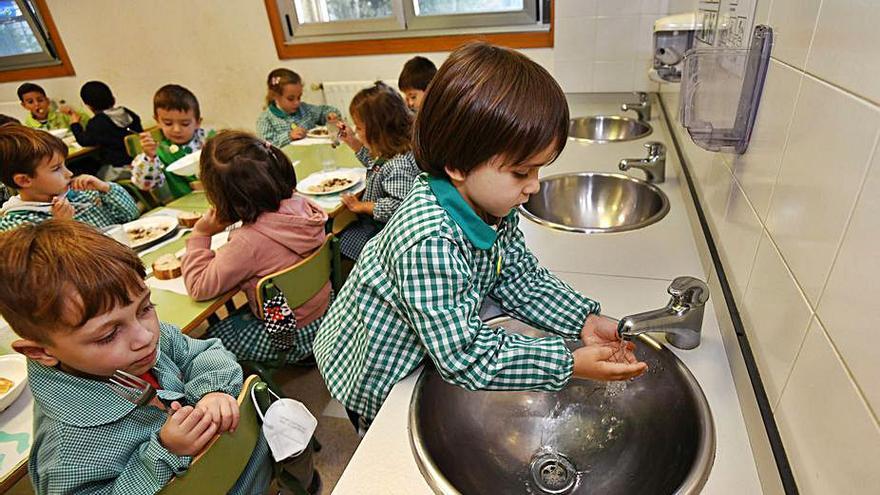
{"type": "Point", "coordinates": [257, 404]}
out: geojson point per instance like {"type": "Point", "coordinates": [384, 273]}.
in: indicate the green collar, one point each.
{"type": "Point", "coordinates": [281, 114]}
{"type": "Point", "coordinates": [475, 229]}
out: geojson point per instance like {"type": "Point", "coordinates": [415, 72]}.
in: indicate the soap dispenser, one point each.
{"type": "Point", "coordinates": [673, 36]}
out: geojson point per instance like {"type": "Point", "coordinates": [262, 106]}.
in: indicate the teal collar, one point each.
{"type": "Point", "coordinates": [281, 114]}
{"type": "Point", "coordinates": [475, 229]}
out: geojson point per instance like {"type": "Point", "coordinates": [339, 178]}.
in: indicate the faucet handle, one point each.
{"type": "Point", "coordinates": [655, 148]}
{"type": "Point", "coordinates": [643, 97]}
{"type": "Point", "coordinates": [689, 290]}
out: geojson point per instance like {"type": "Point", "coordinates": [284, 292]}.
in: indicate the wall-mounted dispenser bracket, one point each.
{"type": "Point", "coordinates": [720, 92]}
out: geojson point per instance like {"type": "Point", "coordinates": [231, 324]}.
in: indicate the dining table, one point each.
{"type": "Point", "coordinates": [313, 155]}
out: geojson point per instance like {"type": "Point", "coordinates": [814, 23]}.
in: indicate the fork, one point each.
{"type": "Point", "coordinates": [131, 388]}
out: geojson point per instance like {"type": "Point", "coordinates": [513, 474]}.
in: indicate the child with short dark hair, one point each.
{"type": "Point", "coordinates": [43, 113]}
{"type": "Point", "coordinates": [416, 290]}
{"type": "Point", "coordinates": [78, 300]}
{"type": "Point", "coordinates": [382, 143]}
{"type": "Point", "coordinates": [414, 80]}
{"type": "Point", "coordinates": [108, 128]}
{"type": "Point", "coordinates": [287, 118]}
{"type": "Point", "coordinates": [33, 162]}
{"type": "Point", "coordinates": [249, 180]}
{"type": "Point", "coordinates": [177, 112]}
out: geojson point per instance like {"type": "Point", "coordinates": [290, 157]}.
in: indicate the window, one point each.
{"type": "Point", "coordinates": [303, 28]}
{"type": "Point", "coordinates": [29, 44]}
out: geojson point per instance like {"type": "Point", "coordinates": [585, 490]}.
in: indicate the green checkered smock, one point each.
{"type": "Point", "coordinates": [273, 124]}
{"type": "Point", "coordinates": [92, 207]}
{"type": "Point", "coordinates": [416, 291]}
{"type": "Point", "coordinates": [89, 440]}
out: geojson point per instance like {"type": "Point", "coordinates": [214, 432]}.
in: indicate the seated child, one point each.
{"type": "Point", "coordinates": [108, 128]}
{"type": "Point", "coordinates": [414, 79]}
{"type": "Point", "coordinates": [78, 301]}
{"type": "Point", "coordinates": [32, 161]}
{"type": "Point", "coordinates": [248, 179]}
{"type": "Point", "coordinates": [286, 117]}
{"type": "Point", "coordinates": [5, 193]}
{"type": "Point", "coordinates": [382, 144]}
{"type": "Point", "coordinates": [416, 290]}
{"type": "Point", "coordinates": [177, 111]}
{"type": "Point", "coordinates": [43, 112]}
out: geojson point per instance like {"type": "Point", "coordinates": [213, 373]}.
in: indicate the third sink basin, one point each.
{"type": "Point", "coordinates": [593, 202]}
{"type": "Point", "coordinates": [607, 128]}
{"type": "Point", "coordinates": [650, 435]}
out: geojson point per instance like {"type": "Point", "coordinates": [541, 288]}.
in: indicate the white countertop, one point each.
{"type": "Point", "coordinates": [628, 273]}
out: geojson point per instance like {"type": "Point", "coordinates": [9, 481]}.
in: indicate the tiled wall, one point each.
{"type": "Point", "coordinates": [797, 223]}
{"type": "Point", "coordinates": [605, 45]}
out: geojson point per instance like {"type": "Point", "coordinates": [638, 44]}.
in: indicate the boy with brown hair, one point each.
{"type": "Point", "coordinates": [33, 162]}
{"type": "Point", "coordinates": [414, 80]}
{"type": "Point", "coordinates": [78, 301]}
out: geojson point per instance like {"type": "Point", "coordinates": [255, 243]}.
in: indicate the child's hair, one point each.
{"type": "Point", "coordinates": [176, 97]}
{"type": "Point", "coordinates": [416, 74]}
{"type": "Point", "coordinates": [61, 273]}
{"type": "Point", "coordinates": [29, 88]}
{"type": "Point", "coordinates": [387, 120]}
{"type": "Point", "coordinates": [6, 119]}
{"type": "Point", "coordinates": [485, 101]}
{"type": "Point", "coordinates": [245, 176]}
{"type": "Point", "coordinates": [276, 81]}
{"type": "Point", "coordinates": [97, 95]}
{"type": "Point", "coordinates": [22, 149]}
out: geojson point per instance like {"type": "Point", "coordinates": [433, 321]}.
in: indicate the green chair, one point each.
{"type": "Point", "coordinates": [219, 466]}
{"type": "Point", "coordinates": [298, 283]}
{"type": "Point", "coordinates": [133, 141]}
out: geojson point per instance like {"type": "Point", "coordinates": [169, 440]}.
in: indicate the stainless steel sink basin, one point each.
{"type": "Point", "coordinates": [655, 435]}
{"type": "Point", "coordinates": [593, 202]}
{"type": "Point", "coordinates": [607, 129]}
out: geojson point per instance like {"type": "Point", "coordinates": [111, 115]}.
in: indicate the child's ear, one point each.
{"type": "Point", "coordinates": [454, 174]}
{"type": "Point", "coordinates": [22, 181]}
{"type": "Point", "coordinates": [34, 350]}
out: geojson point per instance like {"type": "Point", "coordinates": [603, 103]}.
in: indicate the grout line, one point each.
{"type": "Point", "coordinates": [862, 99]}
{"type": "Point", "coordinates": [813, 33]}
{"type": "Point", "coordinates": [813, 316]}
{"type": "Point", "coordinates": [635, 277]}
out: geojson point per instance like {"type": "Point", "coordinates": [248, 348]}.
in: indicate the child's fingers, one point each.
{"type": "Point", "coordinates": [205, 422]}
{"type": "Point", "coordinates": [225, 416]}
{"type": "Point", "coordinates": [236, 415]}
{"type": "Point", "coordinates": [202, 440]}
{"type": "Point", "coordinates": [192, 419]}
{"type": "Point", "coordinates": [181, 414]}
{"type": "Point", "coordinates": [175, 406]}
{"type": "Point", "coordinates": [623, 371]}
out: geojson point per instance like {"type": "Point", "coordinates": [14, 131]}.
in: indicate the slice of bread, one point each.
{"type": "Point", "coordinates": [188, 219]}
{"type": "Point", "coordinates": [167, 267]}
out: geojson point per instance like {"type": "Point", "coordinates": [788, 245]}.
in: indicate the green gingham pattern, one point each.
{"type": "Point", "coordinates": [416, 291]}
{"type": "Point", "coordinates": [149, 173]}
{"type": "Point", "coordinates": [276, 129]}
{"type": "Point", "coordinates": [89, 440]}
{"type": "Point", "coordinates": [245, 336]}
{"type": "Point", "coordinates": [92, 207]}
{"type": "Point", "coordinates": [388, 183]}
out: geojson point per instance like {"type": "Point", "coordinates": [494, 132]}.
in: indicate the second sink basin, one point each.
{"type": "Point", "coordinates": [607, 128]}
{"type": "Point", "coordinates": [593, 202]}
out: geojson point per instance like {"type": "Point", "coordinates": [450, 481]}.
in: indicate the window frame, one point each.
{"type": "Point", "coordinates": [530, 36]}
{"type": "Point", "coordinates": [54, 67]}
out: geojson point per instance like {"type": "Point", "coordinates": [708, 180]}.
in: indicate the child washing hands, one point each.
{"type": "Point", "coordinates": [415, 292]}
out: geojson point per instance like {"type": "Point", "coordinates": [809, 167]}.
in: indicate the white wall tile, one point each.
{"type": "Point", "coordinates": [844, 49]}
{"type": "Point", "coordinates": [830, 437]}
{"type": "Point", "coordinates": [612, 76]}
{"type": "Point", "coordinates": [762, 11]}
{"type": "Point", "coordinates": [756, 170]}
{"type": "Point", "coordinates": [616, 38]}
{"type": "Point", "coordinates": [848, 306]}
{"type": "Point", "coordinates": [574, 38]}
{"type": "Point", "coordinates": [793, 22]}
{"type": "Point", "coordinates": [574, 8]}
{"type": "Point", "coordinates": [618, 7]}
{"type": "Point", "coordinates": [641, 82]}
{"type": "Point", "coordinates": [655, 7]}
{"type": "Point", "coordinates": [831, 139]}
{"type": "Point", "coordinates": [645, 41]}
{"type": "Point", "coordinates": [574, 76]}
{"type": "Point", "coordinates": [776, 317]}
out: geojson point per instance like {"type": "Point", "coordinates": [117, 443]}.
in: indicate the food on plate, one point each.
{"type": "Point", "coordinates": [5, 385]}
{"type": "Point", "coordinates": [331, 184]}
{"type": "Point", "coordinates": [319, 131]}
{"type": "Point", "coordinates": [167, 267]}
{"type": "Point", "coordinates": [140, 235]}
{"type": "Point", "coordinates": [188, 219]}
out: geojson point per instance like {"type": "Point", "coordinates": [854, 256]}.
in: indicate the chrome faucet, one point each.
{"type": "Point", "coordinates": [643, 107]}
{"type": "Point", "coordinates": [681, 319]}
{"type": "Point", "coordinates": [654, 165]}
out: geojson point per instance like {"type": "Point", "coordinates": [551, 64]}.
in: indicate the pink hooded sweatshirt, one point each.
{"type": "Point", "coordinates": [275, 241]}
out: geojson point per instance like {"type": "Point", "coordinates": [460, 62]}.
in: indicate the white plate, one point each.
{"type": "Point", "coordinates": [13, 367]}
{"type": "Point", "coordinates": [319, 177]}
{"type": "Point", "coordinates": [59, 133]}
{"type": "Point", "coordinates": [315, 132]}
{"type": "Point", "coordinates": [186, 166]}
{"type": "Point", "coordinates": [167, 224]}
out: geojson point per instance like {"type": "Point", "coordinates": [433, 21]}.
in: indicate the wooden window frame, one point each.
{"type": "Point", "coordinates": [65, 68]}
{"type": "Point", "coordinates": [527, 39]}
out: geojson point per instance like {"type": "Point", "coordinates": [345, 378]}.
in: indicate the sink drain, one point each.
{"type": "Point", "coordinates": [553, 473]}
